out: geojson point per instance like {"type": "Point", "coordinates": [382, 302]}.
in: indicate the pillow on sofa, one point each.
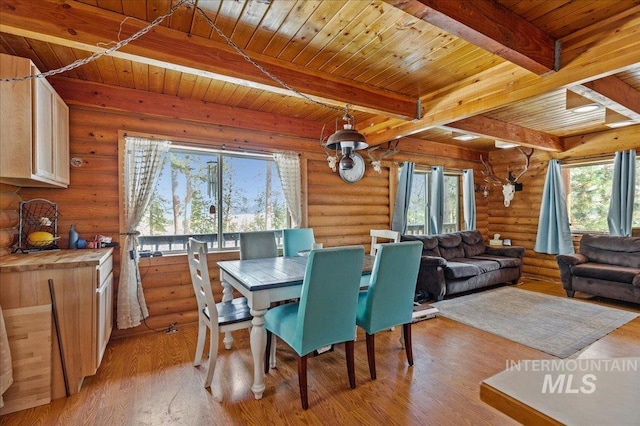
{"type": "Point", "coordinates": [472, 243]}
{"type": "Point", "coordinates": [450, 246]}
{"type": "Point", "coordinates": [429, 243]}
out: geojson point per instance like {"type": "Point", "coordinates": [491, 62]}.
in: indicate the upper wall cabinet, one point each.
{"type": "Point", "coordinates": [34, 135]}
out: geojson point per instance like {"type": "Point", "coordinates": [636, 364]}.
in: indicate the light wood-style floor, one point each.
{"type": "Point", "coordinates": [150, 380]}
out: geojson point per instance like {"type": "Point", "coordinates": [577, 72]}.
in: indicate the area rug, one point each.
{"type": "Point", "coordinates": [555, 325]}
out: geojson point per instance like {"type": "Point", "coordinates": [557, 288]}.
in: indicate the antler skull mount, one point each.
{"type": "Point", "coordinates": [509, 185]}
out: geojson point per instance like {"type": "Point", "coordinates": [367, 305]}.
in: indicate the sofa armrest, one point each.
{"type": "Point", "coordinates": [572, 259]}
{"type": "Point", "coordinates": [509, 251]}
{"type": "Point", "coordinates": [433, 261]}
{"type": "Point", "coordinates": [431, 276]}
{"type": "Point", "coordinates": [565, 263]}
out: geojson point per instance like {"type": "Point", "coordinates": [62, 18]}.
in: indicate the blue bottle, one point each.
{"type": "Point", "coordinates": [73, 237]}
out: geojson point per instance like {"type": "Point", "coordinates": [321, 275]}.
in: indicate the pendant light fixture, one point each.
{"type": "Point", "coordinates": [347, 139]}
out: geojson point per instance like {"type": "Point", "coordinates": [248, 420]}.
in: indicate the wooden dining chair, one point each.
{"type": "Point", "coordinates": [218, 318]}
{"type": "Point", "coordinates": [295, 240]}
{"type": "Point", "coordinates": [258, 245]}
{"type": "Point", "coordinates": [326, 312]}
{"type": "Point", "coordinates": [388, 235]}
{"type": "Point", "coordinates": [389, 299]}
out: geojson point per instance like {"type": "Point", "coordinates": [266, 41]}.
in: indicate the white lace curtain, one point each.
{"type": "Point", "coordinates": [143, 160]}
{"type": "Point", "coordinates": [288, 164]}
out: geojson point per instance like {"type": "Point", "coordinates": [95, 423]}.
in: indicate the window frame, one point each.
{"type": "Point", "coordinates": [426, 170]}
{"type": "Point", "coordinates": [183, 146]}
{"type": "Point", "coordinates": [566, 167]}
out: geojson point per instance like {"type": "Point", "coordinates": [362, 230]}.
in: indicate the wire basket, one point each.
{"type": "Point", "coordinates": [38, 215]}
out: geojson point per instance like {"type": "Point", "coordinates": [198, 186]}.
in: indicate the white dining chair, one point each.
{"type": "Point", "coordinates": [216, 317]}
{"type": "Point", "coordinates": [387, 234]}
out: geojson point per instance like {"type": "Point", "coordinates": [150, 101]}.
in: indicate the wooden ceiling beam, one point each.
{"type": "Point", "coordinates": [72, 24]}
{"type": "Point", "coordinates": [615, 50]}
{"type": "Point", "coordinates": [507, 132]}
{"type": "Point", "coordinates": [612, 93]}
{"type": "Point", "coordinates": [103, 96]}
{"type": "Point", "coordinates": [491, 26]}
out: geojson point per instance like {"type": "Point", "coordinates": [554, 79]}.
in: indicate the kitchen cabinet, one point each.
{"type": "Point", "coordinates": [83, 286]}
{"type": "Point", "coordinates": [34, 136]}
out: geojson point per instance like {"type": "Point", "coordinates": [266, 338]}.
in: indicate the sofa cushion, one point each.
{"type": "Point", "coordinates": [450, 245]}
{"type": "Point", "coordinates": [429, 243]}
{"type": "Point", "coordinates": [602, 271]}
{"type": "Point", "coordinates": [504, 262]}
{"type": "Point", "coordinates": [623, 251]}
{"type": "Point", "coordinates": [455, 270]}
{"type": "Point", "coordinates": [472, 243]}
{"type": "Point", "coordinates": [484, 265]}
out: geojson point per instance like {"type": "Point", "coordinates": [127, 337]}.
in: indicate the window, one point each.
{"type": "Point", "coordinates": [589, 195]}
{"type": "Point", "coordinates": [201, 192]}
{"type": "Point", "coordinates": [418, 214]}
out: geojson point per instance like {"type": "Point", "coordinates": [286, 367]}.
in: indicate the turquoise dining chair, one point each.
{"type": "Point", "coordinates": [295, 240]}
{"type": "Point", "coordinates": [326, 312]}
{"type": "Point", "coordinates": [389, 299]}
{"type": "Point", "coordinates": [258, 245]}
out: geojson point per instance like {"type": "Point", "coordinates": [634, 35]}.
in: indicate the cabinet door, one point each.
{"type": "Point", "coordinates": [43, 148]}
{"type": "Point", "coordinates": [61, 140]}
{"type": "Point", "coordinates": [104, 320]}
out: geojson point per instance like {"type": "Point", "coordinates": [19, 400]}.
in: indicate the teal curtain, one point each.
{"type": "Point", "coordinates": [403, 196]}
{"type": "Point", "coordinates": [622, 193]}
{"type": "Point", "coordinates": [468, 199]}
{"type": "Point", "coordinates": [554, 235]}
{"type": "Point", "coordinates": [436, 200]}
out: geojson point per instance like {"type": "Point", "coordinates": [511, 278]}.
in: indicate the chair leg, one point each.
{"type": "Point", "coordinates": [302, 381]}
{"type": "Point", "coordinates": [349, 346]}
{"type": "Point", "coordinates": [408, 347]}
{"type": "Point", "coordinates": [213, 357]}
{"type": "Point", "coordinates": [267, 353]}
{"type": "Point", "coordinates": [371, 355]}
{"type": "Point", "coordinates": [202, 334]}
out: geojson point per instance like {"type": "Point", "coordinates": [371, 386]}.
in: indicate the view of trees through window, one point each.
{"type": "Point", "coordinates": [417, 216]}
{"type": "Point", "coordinates": [589, 196]}
{"type": "Point", "coordinates": [201, 192]}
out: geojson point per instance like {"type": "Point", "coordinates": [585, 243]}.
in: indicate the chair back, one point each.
{"type": "Point", "coordinates": [258, 245]}
{"type": "Point", "coordinates": [295, 240]}
{"type": "Point", "coordinates": [197, 255]}
{"type": "Point", "coordinates": [392, 287]}
{"type": "Point", "coordinates": [387, 234]}
{"type": "Point", "coordinates": [329, 298]}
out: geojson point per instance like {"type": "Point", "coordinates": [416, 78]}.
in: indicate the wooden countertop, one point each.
{"type": "Point", "coordinates": [54, 259]}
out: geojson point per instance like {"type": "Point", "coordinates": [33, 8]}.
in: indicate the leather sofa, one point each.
{"type": "Point", "coordinates": [606, 266]}
{"type": "Point", "coordinates": [460, 261]}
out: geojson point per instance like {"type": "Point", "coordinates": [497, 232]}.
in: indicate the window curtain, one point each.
{"type": "Point", "coordinates": [622, 193]}
{"type": "Point", "coordinates": [288, 164]}
{"type": "Point", "coordinates": [468, 199]}
{"type": "Point", "coordinates": [143, 160]}
{"type": "Point", "coordinates": [403, 197]}
{"type": "Point", "coordinates": [436, 201]}
{"type": "Point", "coordinates": [554, 235]}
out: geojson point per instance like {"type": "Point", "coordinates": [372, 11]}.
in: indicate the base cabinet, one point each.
{"type": "Point", "coordinates": [83, 290]}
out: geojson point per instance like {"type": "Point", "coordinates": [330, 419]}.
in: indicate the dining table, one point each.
{"type": "Point", "coordinates": [262, 282]}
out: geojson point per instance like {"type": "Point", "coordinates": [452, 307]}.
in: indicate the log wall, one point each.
{"type": "Point", "coordinates": [339, 213]}
{"type": "Point", "coordinates": [9, 217]}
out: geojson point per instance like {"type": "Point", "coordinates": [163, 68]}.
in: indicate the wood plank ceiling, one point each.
{"type": "Point", "coordinates": [419, 70]}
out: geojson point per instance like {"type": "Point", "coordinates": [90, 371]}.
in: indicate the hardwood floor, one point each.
{"type": "Point", "coordinates": [150, 380]}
